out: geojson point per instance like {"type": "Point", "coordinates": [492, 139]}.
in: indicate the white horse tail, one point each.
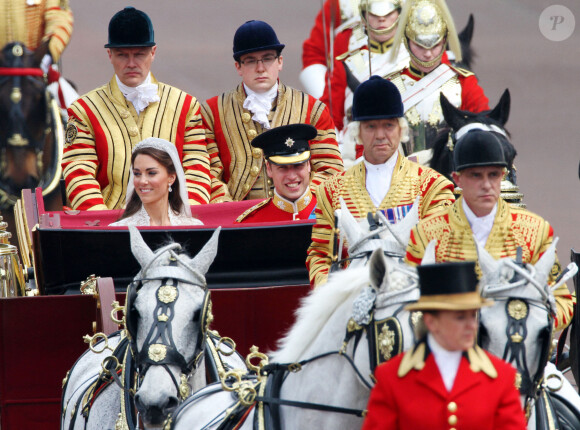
{"type": "Point", "coordinates": [429, 254]}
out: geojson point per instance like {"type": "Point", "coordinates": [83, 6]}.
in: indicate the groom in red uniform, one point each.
{"type": "Point", "coordinates": [287, 155]}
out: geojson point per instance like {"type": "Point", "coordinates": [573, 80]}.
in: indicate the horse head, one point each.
{"type": "Point", "coordinates": [460, 122]}
{"type": "Point", "coordinates": [168, 312]}
{"type": "Point", "coordinates": [519, 326]}
{"type": "Point", "coordinates": [365, 235]}
{"type": "Point", "coordinates": [29, 120]}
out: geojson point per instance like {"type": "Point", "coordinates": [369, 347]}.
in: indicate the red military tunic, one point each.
{"type": "Point", "coordinates": [280, 209]}
{"type": "Point", "coordinates": [313, 47]}
{"type": "Point", "coordinates": [512, 228]}
{"type": "Point", "coordinates": [409, 181]}
{"type": "Point", "coordinates": [410, 394]}
{"type": "Point", "coordinates": [238, 170]}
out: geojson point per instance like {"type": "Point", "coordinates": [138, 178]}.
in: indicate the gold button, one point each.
{"type": "Point", "coordinates": [452, 420]}
{"type": "Point", "coordinates": [246, 188]}
{"type": "Point", "coordinates": [269, 181]}
{"type": "Point", "coordinates": [254, 171]}
{"type": "Point", "coordinates": [452, 407]}
{"type": "Point", "coordinates": [270, 193]}
{"type": "Point", "coordinates": [133, 131]}
{"type": "Point", "coordinates": [252, 133]}
{"type": "Point", "coordinates": [452, 428]}
{"type": "Point", "coordinates": [125, 114]}
{"type": "Point", "coordinates": [257, 153]}
{"type": "Point", "coordinates": [246, 117]}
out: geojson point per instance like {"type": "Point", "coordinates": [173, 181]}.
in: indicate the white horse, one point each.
{"type": "Point", "coordinates": [160, 358]}
{"type": "Point", "coordinates": [322, 374]}
{"type": "Point", "coordinates": [519, 329]}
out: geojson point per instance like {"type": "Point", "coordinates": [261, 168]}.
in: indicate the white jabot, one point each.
{"type": "Point", "coordinates": [480, 226]}
{"type": "Point", "coordinates": [447, 361]}
{"type": "Point", "coordinates": [140, 95]}
{"type": "Point", "coordinates": [260, 104]}
{"type": "Point", "coordinates": [378, 178]}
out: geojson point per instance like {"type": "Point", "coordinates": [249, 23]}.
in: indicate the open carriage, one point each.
{"type": "Point", "coordinates": [256, 282]}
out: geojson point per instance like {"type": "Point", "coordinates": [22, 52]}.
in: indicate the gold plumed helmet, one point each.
{"type": "Point", "coordinates": [379, 8]}
{"type": "Point", "coordinates": [426, 22]}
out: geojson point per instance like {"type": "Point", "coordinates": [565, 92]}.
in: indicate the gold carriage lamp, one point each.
{"type": "Point", "coordinates": [12, 282]}
{"type": "Point", "coordinates": [25, 246]}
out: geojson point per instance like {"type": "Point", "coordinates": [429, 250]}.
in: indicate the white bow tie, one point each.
{"type": "Point", "coordinates": [142, 95]}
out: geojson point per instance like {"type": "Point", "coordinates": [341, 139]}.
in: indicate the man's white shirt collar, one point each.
{"type": "Point", "coordinates": [378, 178]}
{"type": "Point", "coordinates": [480, 226]}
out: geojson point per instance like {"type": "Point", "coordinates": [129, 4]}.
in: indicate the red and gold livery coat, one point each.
{"type": "Point", "coordinates": [33, 23]}
{"type": "Point", "coordinates": [104, 128]}
{"type": "Point", "coordinates": [238, 169]}
{"type": "Point", "coordinates": [410, 394]}
{"type": "Point", "coordinates": [409, 181]}
{"type": "Point", "coordinates": [512, 228]}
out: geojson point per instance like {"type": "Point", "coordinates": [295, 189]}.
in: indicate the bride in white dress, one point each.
{"type": "Point", "coordinates": [157, 191]}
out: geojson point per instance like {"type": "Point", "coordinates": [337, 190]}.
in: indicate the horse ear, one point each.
{"type": "Point", "coordinates": [348, 224]}
{"type": "Point", "coordinates": [139, 248]}
{"type": "Point", "coordinates": [453, 116]}
{"type": "Point", "coordinates": [488, 265]}
{"type": "Point", "coordinates": [377, 268]}
{"type": "Point", "coordinates": [429, 254]}
{"type": "Point", "coordinates": [546, 262]}
{"type": "Point", "coordinates": [467, 33]}
{"type": "Point", "coordinates": [501, 111]}
{"type": "Point", "coordinates": [205, 257]}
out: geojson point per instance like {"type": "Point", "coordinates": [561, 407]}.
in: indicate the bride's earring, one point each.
{"type": "Point", "coordinates": [170, 188]}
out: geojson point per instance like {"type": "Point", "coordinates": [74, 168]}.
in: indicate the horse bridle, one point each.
{"type": "Point", "coordinates": [517, 311]}
{"type": "Point", "coordinates": [19, 136]}
{"type": "Point", "coordinates": [159, 347]}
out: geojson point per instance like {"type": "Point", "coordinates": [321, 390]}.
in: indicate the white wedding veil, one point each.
{"type": "Point", "coordinates": [169, 148]}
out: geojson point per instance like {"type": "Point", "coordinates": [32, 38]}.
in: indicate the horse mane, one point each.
{"type": "Point", "coordinates": [316, 309]}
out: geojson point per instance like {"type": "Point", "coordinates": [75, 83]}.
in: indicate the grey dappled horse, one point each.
{"type": "Point", "coordinates": [519, 329]}
{"type": "Point", "coordinates": [343, 330]}
{"type": "Point", "coordinates": [168, 311]}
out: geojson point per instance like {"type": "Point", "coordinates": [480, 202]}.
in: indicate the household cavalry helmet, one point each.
{"type": "Point", "coordinates": [379, 8]}
{"type": "Point", "coordinates": [427, 23]}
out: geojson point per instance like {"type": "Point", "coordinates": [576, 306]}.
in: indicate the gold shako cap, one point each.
{"type": "Point", "coordinates": [448, 286]}
{"type": "Point", "coordinates": [288, 144]}
{"type": "Point", "coordinates": [426, 22]}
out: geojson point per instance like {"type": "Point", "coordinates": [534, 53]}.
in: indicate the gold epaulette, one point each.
{"type": "Point", "coordinates": [463, 72]}
{"type": "Point", "coordinates": [252, 210]}
{"type": "Point", "coordinates": [413, 359]}
{"type": "Point", "coordinates": [347, 54]}
{"type": "Point", "coordinates": [479, 361]}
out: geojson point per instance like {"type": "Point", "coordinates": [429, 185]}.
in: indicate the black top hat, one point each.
{"type": "Point", "coordinates": [478, 148]}
{"type": "Point", "coordinates": [130, 28]}
{"type": "Point", "coordinates": [254, 36]}
{"type": "Point", "coordinates": [287, 144]}
{"type": "Point", "coordinates": [377, 98]}
{"type": "Point", "coordinates": [448, 286]}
